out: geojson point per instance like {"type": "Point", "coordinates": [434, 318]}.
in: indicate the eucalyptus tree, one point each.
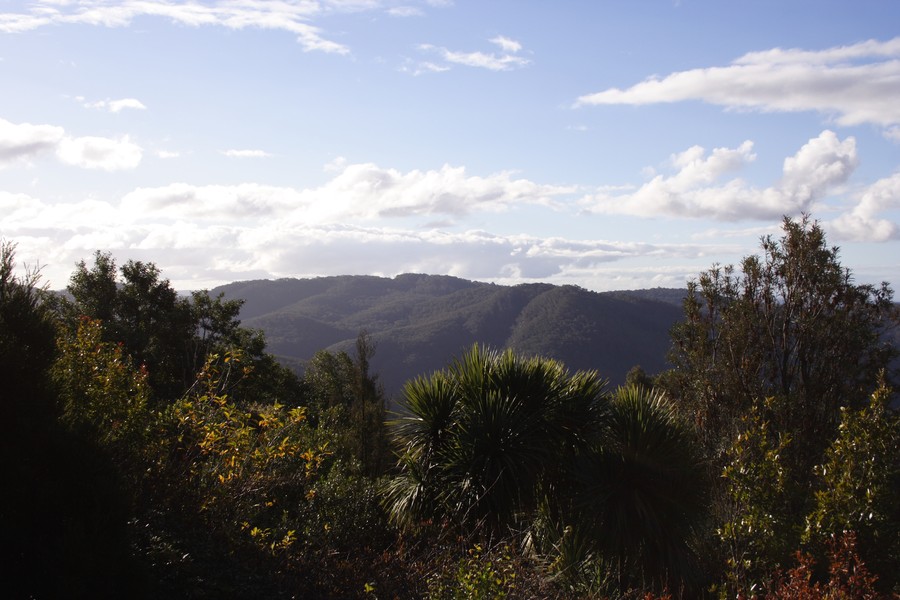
{"type": "Point", "coordinates": [169, 333]}
{"type": "Point", "coordinates": [768, 360]}
{"type": "Point", "coordinates": [791, 324]}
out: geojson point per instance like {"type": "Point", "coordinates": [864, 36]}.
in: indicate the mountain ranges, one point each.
{"type": "Point", "coordinates": [420, 323]}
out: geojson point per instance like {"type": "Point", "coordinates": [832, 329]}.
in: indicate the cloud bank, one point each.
{"type": "Point", "coordinates": [382, 220]}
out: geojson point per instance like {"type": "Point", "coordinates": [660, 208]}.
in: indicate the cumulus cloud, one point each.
{"type": "Point", "coordinates": [292, 17]}
{"type": "Point", "coordinates": [24, 140]}
{"type": "Point", "coordinates": [371, 219]}
{"type": "Point", "coordinates": [100, 153]}
{"type": "Point", "coordinates": [370, 191]}
{"type": "Point", "coordinates": [508, 59]}
{"type": "Point", "coordinates": [862, 222]}
{"type": "Point", "coordinates": [855, 84]}
{"type": "Point", "coordinates": [695, 191]}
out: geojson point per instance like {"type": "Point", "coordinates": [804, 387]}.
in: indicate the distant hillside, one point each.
{"type": "Point", "coordinates": [421, 322]}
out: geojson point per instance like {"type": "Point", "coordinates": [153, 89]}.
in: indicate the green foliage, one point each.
{"type": "Point", "coordinates": [637, 377]}
{"type": "Point", "coordinates": [102, 393]}
{"type": "Point", "coordinates": [641, 494]}
{"type": "Point", "coordinates": [144, 313]}
{"type": "Point", "coordinates": [477, 576]}
{"type": "Point", "coordinates": [246, 468]}
{"type": "Point", "coordinates": [481, 439]}
{"type": "Point", "coordinates": [859, 485]}
{"type": "Point", "coordinates": [347, 399]}
{"type": "Point", "coordinates": [756, 531]}
{"type": "Point", "coordinates": [792, 325]}
{"type": "Point", "coordinates": [64, 515]}
{"type": "Point", "coordinates": [169, 335]}
{"type": "Point", "coordinates": [27, 333]}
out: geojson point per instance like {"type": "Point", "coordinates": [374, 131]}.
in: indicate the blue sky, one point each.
{"type": "Point", "coordinates": [612, 145]}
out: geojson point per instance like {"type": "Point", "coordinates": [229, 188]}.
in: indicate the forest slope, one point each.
{"type": "Point", "coordinates": [420, 322]}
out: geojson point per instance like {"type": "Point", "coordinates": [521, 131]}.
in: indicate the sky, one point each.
{"type": "Point", "coordinates": [605, 144]}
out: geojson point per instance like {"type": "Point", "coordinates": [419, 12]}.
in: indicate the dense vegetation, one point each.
{"type": "Point", "coordinates": [422, 322]}
{"type": "Point", "coordinates": [152, 447]}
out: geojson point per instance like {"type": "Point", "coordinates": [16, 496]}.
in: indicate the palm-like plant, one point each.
{"type": "Point", "coordinates": [642, 490]}
{"type": "Point", "coordinates": [498, 442]}
{"type": "Point", "coordinates": [481, 437]}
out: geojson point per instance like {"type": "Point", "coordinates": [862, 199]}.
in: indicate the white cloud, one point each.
{"type": "Point", "coordinates": [115, 106]}
{"type": "Point", "coordinates": [506, 44]}
{"type": "Point", "coordinates": [18, 208]}
{"type": "Point", "coordinates": [206, 235]}
{"type": "Point", "coordinates": [212, 203]}
{"type": "Point", "coordinates": [422, 67]}
{"type": "Point", "coordinates": [369, 219]}
{"type": "Point", "coordinates": [357, 191]}
{"type": "Point", "coordinates": [100, 153]}
{"type": "Point", "coordinates": [369, 191]}
{"type": "Point", "coordinates": [508, 60]}
{"type": "Point", "coordinates": [694, 191]}
{"type": "Point", "coordinates": [165, 154]}
{"type": "Point", "coordinates": [293, 17]}
{"type": "Point", "coordinates": [246, 154]}
{"type": "Point", "coordinates": [862, 223]}
{"type": "Point", "coordinates": [24, 140]}
{"type": "Point", "coordinates": [856, 84]}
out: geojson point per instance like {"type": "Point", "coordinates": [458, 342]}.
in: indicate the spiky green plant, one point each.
{"type": "Point", "coordinates": [643, 490]}
{"type": "Point", "coordinates": [479, 439]}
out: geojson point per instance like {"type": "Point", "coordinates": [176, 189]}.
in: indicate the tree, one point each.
{"type": "Point", "coordinates": [171, 335]}
{"type": "Point", "coordinates": [27, 349]}
{"type": "Point", "coordinates": [346, 397]}
{"type": "Point", "coordinates": [637, 377]}
{"type": "Point", "coordinates": [859, 484]}
{"type": "Point", "coordinates": [482, 440]}
{"type": "Point", "coordinates": [64, 518]}
{"type": "Point", "coordinates": [792, 325]}
{"type": "Point", "coordinates": [103, 396]}
{"type": "Point", "coordinates": [144, 313]}
{"type": "Point", "coordinates": [767, 362]}
{"type": "Point", "coordinates": [755, 525]}
{"type": "Point", "coordinates": [643, 494]}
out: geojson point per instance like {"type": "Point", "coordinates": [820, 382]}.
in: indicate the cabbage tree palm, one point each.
{"type": "Point", "coordinates": [483, 439]}
{"type": "Point", "coordinates": [642, 491]}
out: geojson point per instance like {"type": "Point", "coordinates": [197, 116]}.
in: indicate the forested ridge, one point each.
{"type": "Point", "coordinates": [421, 322]}
{"type": "Point", "coordinates": [154, 446]}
